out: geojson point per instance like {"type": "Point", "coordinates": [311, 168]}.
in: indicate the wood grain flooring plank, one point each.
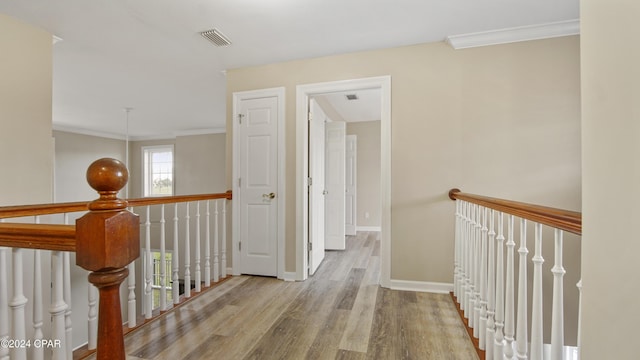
{"type": "Point", "coordinates": [350, 355]}
{"type": "Point", "coordinates": [325, 345]}
{"type": "Point", "coordinates": [376, 249]}
{"type": "Point", "coordinates": [347, 296]}
{"type": "Point", "coordinates": [445, 334]}
{"type": "Point", "coordinates": [241, 343]}
{"type": "Point", "coordinates": [297, 328]}
{"type": "Point", "coordinates": [372, 274]}
{"type": "Point", "coordinates": [383, 342]}
{"type": "Point", "coordinates": [187, 319]}
{"type": "Point", "coordinates": [358, 330]}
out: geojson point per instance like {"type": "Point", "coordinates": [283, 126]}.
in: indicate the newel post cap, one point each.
{"type": "Point", "coordinates": [108, 236]}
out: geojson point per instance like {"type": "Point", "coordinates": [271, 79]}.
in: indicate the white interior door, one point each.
{"type": "Point", "coordinates": [350, 184]}
{"type": "Point", "coordinates": [335, 185]}
{"type": "Point", "coordinates": [258, 183]}
{"type": "Point", "coordinates": [317, 120]}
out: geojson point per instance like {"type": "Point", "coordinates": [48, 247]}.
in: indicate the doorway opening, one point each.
{"type": "Point", "coordinates": [303, 96]}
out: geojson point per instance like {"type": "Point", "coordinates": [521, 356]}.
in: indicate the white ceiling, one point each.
{"type": "Point", "coordinates": [365, 108]}
{"type": "Point", "coordinates": [148, 54]}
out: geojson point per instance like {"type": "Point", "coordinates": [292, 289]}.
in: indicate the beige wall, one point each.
{"type": "Point", "coordinates": [74, 153]}
{"type": "Point", "coordinates": [501, 121]}
{"type": "Point", "coordinates": [368, 172]}
{"type": "Point", "coordinates": [200, 162]}
{"type": "Point", "coordinates": [611, 178]}
{"type": "Point", "coordinates": [26, 147]}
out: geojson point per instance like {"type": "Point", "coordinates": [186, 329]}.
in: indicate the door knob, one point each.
{"type": "Point", "coordinates": [269, 196]}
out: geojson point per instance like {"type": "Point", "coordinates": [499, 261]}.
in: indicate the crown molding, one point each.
{"type": "Point", "coordinates": [82, 131]}
{"type": "Point", "coordinates": [515, 34]}
{"type": "Point", "coordinates": [108, 135]}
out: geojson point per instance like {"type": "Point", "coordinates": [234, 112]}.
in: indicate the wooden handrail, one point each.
{"type": "Point", "coordinates": [567, 220]}
{"type": "Point", "coordinates": [177, 199]}
{"type": "Point", "coordinates": [38, 236]}
{"type": "Point", "coordinates": [7, 212]}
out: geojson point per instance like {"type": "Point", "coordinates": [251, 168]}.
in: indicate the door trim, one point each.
{"type": "Point", "coordinates": [278, 92]}
{"type": "Point", "coordinates": [303, 92]}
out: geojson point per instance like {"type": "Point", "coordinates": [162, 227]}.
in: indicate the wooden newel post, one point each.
{"type": "Point", "coordinates": [107, 240]}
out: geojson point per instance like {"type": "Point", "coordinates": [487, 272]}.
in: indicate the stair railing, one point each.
{"type": "Point", "coordinates": [106, 241]}
{"type": "Point", "coordinates": [484, 276]}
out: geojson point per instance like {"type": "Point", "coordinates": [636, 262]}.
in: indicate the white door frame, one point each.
{"type": "Point", "coordinates": [303, 92]}
{"type": "Point", "coordinates": [235, 237]}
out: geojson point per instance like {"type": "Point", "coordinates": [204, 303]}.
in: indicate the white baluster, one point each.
{"type": "Point", "coordinates": [468, 293]}
{"type": "Point", "coordinates": [207, 248]}
{"type": "Point", "coordinates": [216, 242]}
{"type": "Point", "coordinates": [175, 259]}
{"type": "Point", "coordinates": [477, 255]}
{"type": "Point", "coordinates": [522, 339]}
{"type": "Point", "coordinates": [509, 315]}
{"type": "Point", "coordinates": [462, 297]}
{"type": "Point", "coordinates": [4, 303]}
{"type": "Point", "coordinates": [498, 349]}
{"type": "Point", "coordinates": [472, 267]}
{"type": "Point", "coordinates": [491, 288]}
{"type": "Point", "coordinates": [223, 264]}
{"type": "Point", "coordinates": [536, 310]}
{"type": "Point", "coordinates": [37, 352]}
{"type": "Point", "coordinates": [92, 326]}
{"type": "Point", "coordinates": [163, 262]}
{"type": "Point", "coordinates": [187, 257]}
{"type": "Point", "coordinates": [131, 298]}
{"type": "Point", "coordinates": [17, 305]}
{"type": "Point", "coordinates": [483, 281]}
{"type": "Point", "coordinates": [148, 264]}
{"type": "Point", "coordinates": [68, 326]}
{"type": "Point", "coordinates": [58, 306]}
{"type": "Point", "coordinates": [557, 310]}
{"type": "Point", "coordinates": [579, 339]}
{"type": "Point", "coordinates": [197, 252]}
{"type": "Point", "coordinates": [132, 312]}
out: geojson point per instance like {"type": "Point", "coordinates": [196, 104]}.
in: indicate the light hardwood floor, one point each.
{"type": "Point", "coordinates": [339, 313]}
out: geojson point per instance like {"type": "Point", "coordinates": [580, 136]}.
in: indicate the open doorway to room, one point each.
{"type": "Point", "coordinates": [344, 191]}
{"type": "Point", "coordinates": [349, 107]}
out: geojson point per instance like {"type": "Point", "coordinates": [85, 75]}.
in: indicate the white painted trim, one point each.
{"type": "Point", "coordinates": [368, 228]}
{"type": "Point", "coordinates": [255, 94]}
{"type": "Point", "coordinates": [422, 286]}
{"type": "Point", "coordinates": [289, 276]}
{"type": "Point", "coordinates": [108, 135]}
{"type": "Point", "coordinates": [515, 34]}
{"type": "Point", "coordinates": [302, 154]}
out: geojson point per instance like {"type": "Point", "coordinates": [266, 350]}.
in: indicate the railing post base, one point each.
{"type": "Point", "coordinates": [110, 335]}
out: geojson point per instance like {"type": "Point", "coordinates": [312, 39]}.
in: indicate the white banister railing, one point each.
{"type": "Point", "coordinates": [489, 278]}
{"type": "Point", "coordinates": [35, 302]}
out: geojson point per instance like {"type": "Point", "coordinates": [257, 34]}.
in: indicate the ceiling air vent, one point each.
{"type": "Point", "coordinates": [216, 37]}
{"type": "Point", "coordinates": [352, 97]}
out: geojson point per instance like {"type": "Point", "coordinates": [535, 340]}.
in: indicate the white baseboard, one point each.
{"type": "Point", "coordinates": [422, 286]}
{"type": "Point", "coordinates": [289, 276]}
{"type": "Point", "coordinates": [368, 228]}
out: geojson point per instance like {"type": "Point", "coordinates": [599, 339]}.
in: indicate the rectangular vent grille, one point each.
{"type": "Point", "coordinates": [216, 37]}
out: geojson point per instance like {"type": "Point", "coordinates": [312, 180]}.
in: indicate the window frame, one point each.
{"type": "Point", "coordinates": [147, 169]}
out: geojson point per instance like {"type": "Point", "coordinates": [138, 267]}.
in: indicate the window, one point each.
{"type": "Point", "coordinates": [158, 170]}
